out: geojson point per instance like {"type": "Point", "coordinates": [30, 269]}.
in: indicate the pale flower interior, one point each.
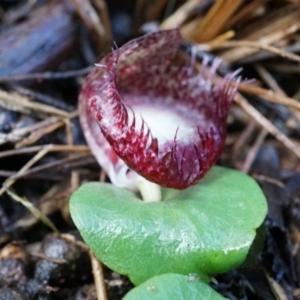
{"type": "Point", "coordinates": [164, 124]}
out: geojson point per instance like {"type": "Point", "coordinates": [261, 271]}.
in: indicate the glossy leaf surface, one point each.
{"type": "Point", "coordinates": [205, 229]}
{"type": "Point", "coordinates": [173, 287]}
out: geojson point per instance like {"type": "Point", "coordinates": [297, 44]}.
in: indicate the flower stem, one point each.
{"type": "Point", "coordinates": [150, 191]}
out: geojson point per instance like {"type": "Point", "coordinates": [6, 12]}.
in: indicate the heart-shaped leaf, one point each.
{"type": "Point", "coordinates": [205, 229]}
{"type": "Point", "coordinates": [173, 287]}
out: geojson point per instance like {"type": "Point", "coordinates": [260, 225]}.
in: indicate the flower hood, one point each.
{"type": "Point", "coordinates": [146, 112]}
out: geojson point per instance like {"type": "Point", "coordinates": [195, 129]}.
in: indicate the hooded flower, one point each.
{"type": "Point", "coordinates": [147, 112]}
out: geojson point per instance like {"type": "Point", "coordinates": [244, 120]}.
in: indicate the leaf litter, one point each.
{"type": "Point", "coordinates": [43, 155]}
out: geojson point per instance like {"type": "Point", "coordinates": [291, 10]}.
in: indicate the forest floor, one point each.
{"type": "Point", "coordinates": [47, 49]}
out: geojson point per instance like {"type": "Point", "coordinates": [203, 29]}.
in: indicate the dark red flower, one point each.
{"type": "Point", "coordinates": [143, 106]}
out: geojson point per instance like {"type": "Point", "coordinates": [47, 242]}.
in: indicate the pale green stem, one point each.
{"type": "Point", "coordinates": [150, 191]}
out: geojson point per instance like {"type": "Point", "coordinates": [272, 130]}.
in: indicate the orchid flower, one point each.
{"type": "Point", "coordinates": [147, 113]}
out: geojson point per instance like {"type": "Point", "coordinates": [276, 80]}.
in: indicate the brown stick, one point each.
{"type": "Point", "coordinates": [98, 277]}
{"type": "Point", "coordinates": [41, 42]}
{"type": "Point", "coordinates": [221, 11]}
{"type": "Point", "coordinates": [99, 27]}
{"type": "Point", "coordinates": [265, 123]}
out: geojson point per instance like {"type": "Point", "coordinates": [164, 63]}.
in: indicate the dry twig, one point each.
{"type": "Point", "coordinates": [97, 23]}
{"type": "Point", "coordinates": [222, 10]}
{"type": "Point", "coordinates": [265, 123]}
{"type": "Point", "coordinates": [11, 180]}
{"type": "Point", "coordinates": [36, 212]}
{"type": "Point", "coordinates": [20, 103]}
{"type": "Point", "coordinates": [50, 147]}
{"type": "Point", "coordinates": [98, 277]}
{"type": "Point", "coordinates": [46, 75]}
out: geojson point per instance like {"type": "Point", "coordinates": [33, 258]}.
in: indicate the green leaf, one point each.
{"type": "Point", "coordinates": [173, 287]}
{"type": "Point", "coordinates": [205, 229]}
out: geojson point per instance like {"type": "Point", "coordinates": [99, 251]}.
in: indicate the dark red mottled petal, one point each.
{"type": "Point", "coordinates": [164, 121]}
{"type": "Point", "coordinates": [113, 165]}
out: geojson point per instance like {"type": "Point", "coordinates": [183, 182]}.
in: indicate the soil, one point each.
{"type": "Point", "coordinates": [47, 48]}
